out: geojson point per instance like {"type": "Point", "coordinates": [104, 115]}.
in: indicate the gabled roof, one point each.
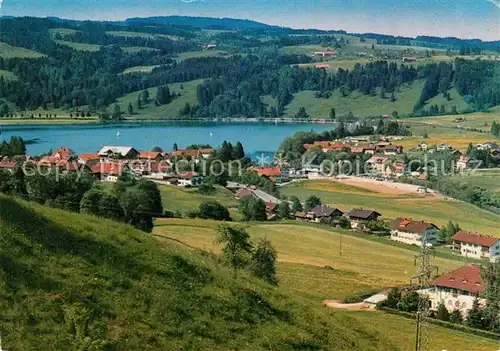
{"type": "Point", "coordinates": [475, 238]}
{"type": "Point", "coordinates": [110, 168]}
{"type": "Point", "coordinates": [466, 278]}
{"type": "Point", "coordinates": [188, 175]}
{"type": "Point", "coordinates": [149, 154]}
{"type": "Point", "coordinates": [243, 192]}
{"type": "Point", "coordinates": [268, 172]}
{"type": "Point", "coordinates": [378, 159]}
{"type": "Point", "coordinates": [363, 214]}
{"type": "Point", "coordinates": [410, 226]}
{"type": "Point", "coordinates": [324, 211]}
{"type": "Point", "coordinates": [185, 153]}
{"type": "Point", "coordinates": [63, 152]}
{"type": "Point", "coordinates": [89, 156]}
{"type": "Point", "coordinates": [122, 150]}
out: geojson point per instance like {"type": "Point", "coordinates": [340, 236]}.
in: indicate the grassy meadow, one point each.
{"type": "Point", "coordinates": [7, 51]}
{"type": "Point", "coordinates": [438, 211]}
{"type": "Point", "coordinates": [139, 69]}
{"type": "Point", "coordinates": [360, 105]}
{"type": "Point", "coordinates": [314, 247]}
{"type": "Point", "coordinates": [135, 49]}
{"type": "Point", "coordinates": [202, 53]}
{"type": "Point", "coordinates": [7, 75]}
{"type": "Point", "coordinates": [79, 46]}
{"type": "Point", "coordinates": [188, 94]}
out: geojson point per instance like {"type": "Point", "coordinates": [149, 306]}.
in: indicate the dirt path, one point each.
{"type": "Point", "coordinates": [360, 306]}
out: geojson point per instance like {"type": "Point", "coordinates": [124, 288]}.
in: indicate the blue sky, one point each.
{"type": "Point", "coordinates": [460, 18]}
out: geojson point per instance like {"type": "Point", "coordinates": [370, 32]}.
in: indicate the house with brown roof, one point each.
{"type": "Point", "coordinates": [325, 212]}
{"type": "Point", "coordinates": [8, 166]}
{"type": "Point", "coordinates": [189, 179]}
{"type": "Point", "coordinates": [150, 156]}
{"type": "Point", "coordinates": [360, 216]}
{"type": "Point", "coordinates": [88, 158]}
{"type": "Point", "coordinates": [276, 174]}
{"type": "Point", "coordinates": [412, 232]}
{"type": "Point", "coordinates": [378, 164]}
{"type": "Point", "coordinates": [456, 289]}
{"type": "Point", "coordinates": [112, 153]}
{"type": "Point", "coordinates": [304, 216]}
{"type": "Point", "coordinates": [477, 245]}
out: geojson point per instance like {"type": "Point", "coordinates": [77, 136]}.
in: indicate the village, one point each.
{"type": "Point", "coordinates": [457, 288]}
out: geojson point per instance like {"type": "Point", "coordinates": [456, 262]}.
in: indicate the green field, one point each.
{"type": "Point", "coordinates": [188, 94]}
{"type": "Point", "coordinates": [489, 179]}
{"type": "Point", "coordinates": [469, 217]}
{"type": "Point", "coordinates": [79, 46]}
{"type": "Point", "coordinates": [134, 49]}
{"type": "Point", "coordinates": [456, 100]}
{"type": "Point", "coordinates": [7, 75]}
{"type": "Point", "coordinates": [140, 69]}
{"type": "Point", "coordinates": [188, 199]}
{"type": "Point", "coordinates": [481, 121]}
{"type": "Point", "coordinates": [62, 31]}
{"type": "Point", "coordinates": [7, 51]}
{"type": "Point", "coordinates": [196, 54]}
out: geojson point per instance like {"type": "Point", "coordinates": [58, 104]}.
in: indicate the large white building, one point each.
{"type": "Point", "coordinates": [476, 245]}
{"type": "Point", "coordinates": [413, 232]}
{"type": "Point", "coordinates": [456, 289]}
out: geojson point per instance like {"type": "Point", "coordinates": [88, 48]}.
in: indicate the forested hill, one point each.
{"type": "Point", "coordinates": [54, 66]}
{"type": "Point", "coordinates": [202, 22]}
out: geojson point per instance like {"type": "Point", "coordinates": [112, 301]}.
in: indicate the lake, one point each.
{"type": "Point", "coordinates": [255, 137]}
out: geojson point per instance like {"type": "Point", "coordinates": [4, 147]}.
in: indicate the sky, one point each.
{"type": "Point", "coordinates": [458, 18]}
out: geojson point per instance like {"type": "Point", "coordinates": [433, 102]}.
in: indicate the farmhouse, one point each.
{"type": "Point", "coordinates": [329, 52]}
{"type": "Point", "coordinates": [456, 289]}
{"type": "Point", "coordinates": [378, 164]}
{"type": "Point", "coordinates": [324, 212]}
{"type": "Point", "coordinates": [322, 65]}
{"type": "Point", "coordinates": [463, 163]}
{"type": "Point", "coordinates": [358, 217]}
{"type": "Point", "coordinates": [413, 232]}
{"type": "Point", "coordinates": [110, 153]}
{"type": "Point", "coordinates": [276, 174]}
{"type": "Point", "coordinates": [477, 245]}
{"type": "Point", "coordinates": [109, 171]}
{"type": "Point", "coordinates": [88, 158]}
{"type": "Point", "coordinates": [423, 146]}
{"type": "Point", "coordinates": [150, 155]}
{"type": "Point", "coordinates": [189, 179]}
{"type": "Point", "coordinates": [304, 216]}
{"type": "Point", "coordinates": [7, 166]}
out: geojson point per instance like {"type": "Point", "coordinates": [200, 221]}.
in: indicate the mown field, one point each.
{"type": "Point", "coordinates": [188, 94]}
{"type": "Point", "coordinates": [179, 199]}
{"type": "Point", "coordinates": [79, 46]}
{"type": "Point", "coordinates": [489, 179]}
{"type": "Point", "coordinates": [314, 247]}
{"type": "Point", "coordinates": [140, 35]}
{"type": "Point", "coordinates": [8, 51]}
{"type": "Point", "coordinates": [469, 217]}
{"type": "Point", "coordinates": [202, 53]}
{"type": "Point", "coordinates": [7, 75]}
{"type": "Point", "coordinates": [140, 69]}
{"type": "Point", "coordinates": [477, 120]}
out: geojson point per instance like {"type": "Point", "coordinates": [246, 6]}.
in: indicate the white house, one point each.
{"type": "Point", "coordinates": [109, 153]}
{"type": "Point", "coordinates": [413, 232]}
{"type": "Point", "coordinates": [109, 171]}
{"type": "Point", "coordinates": [378, 164]}
{"type": "Point", "coordinates": [443, 147]}
{"type": "Point", "coordinates": [456, 289]}
{"type": "Point", "coordinates": [423, 146]}
{"type": "Point", "coordinates": [463, 163]}
{"type": "Point", "coordinates": [477, 245]}
{"type": "Point", "coordinates": [189, 179]}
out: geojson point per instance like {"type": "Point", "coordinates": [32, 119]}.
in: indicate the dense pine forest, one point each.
{"type": "Point", "coordinates": [80, 65]}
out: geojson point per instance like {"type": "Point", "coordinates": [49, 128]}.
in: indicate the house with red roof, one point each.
{"type": "Point", "coordinates": [8, 166]}
{"type": "Point", "coordinates": [109, 171]}
{"type": "Point", "coordinates": [150, 155]}
{"type": "Point", "coordinates": [92, 157]}
{"type": "Point", "coordinates": [457, 289]}
{"type": "Point", "coordinates": [276, 174]}
{"type": "Point", "coordinates": [412, 232]}
{"type": "Point", "coordinates": [64, 153]}
{"type": "Point", "coordinates": [477, 245]}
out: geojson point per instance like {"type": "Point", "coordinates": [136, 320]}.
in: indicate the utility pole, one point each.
{"type": "Point", "coordinates": [423, 276]}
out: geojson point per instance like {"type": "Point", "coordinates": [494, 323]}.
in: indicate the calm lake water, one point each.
{"type": "Point", "coordinates": [256, 138]}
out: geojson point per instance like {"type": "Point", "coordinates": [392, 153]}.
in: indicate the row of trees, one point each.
{"type": "Point", "coordinates": [14, 147]}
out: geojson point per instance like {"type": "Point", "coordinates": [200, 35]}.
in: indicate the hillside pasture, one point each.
{"type": "Point", "coordinates": [140, 69]}
{"type": "Point", "coordinates": [7, 75]}
{"type": "Point", "coordinates": [430, 209]}
{"type": "Point", "coordinates": [79, 46]}
{"type": "Point", "coordinates": [141, 35]}
{"type": "Point", "coordinates": [7, 51]}
{"type": "Point", "coordinates": [135, 49]}
{"type": "Point", "coordinates": [360, 105]}
{"type": "Point", "coordinates": [188, 95]}
{"type": "Point", "coordinates": [202, 53]}
{"type": "Point", "coordinates": [62, 31]}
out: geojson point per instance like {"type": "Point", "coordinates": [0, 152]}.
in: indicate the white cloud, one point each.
{"type": "Point", "coordinates": [495, 2]}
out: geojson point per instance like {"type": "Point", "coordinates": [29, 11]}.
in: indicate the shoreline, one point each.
{"type": "Point", "coordinates": [79, 121]}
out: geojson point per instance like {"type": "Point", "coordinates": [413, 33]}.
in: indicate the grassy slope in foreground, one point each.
{"type": "Point", "coordinates": [74, 281]}
{"type": "Point", "coordinates": [469, 217]}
